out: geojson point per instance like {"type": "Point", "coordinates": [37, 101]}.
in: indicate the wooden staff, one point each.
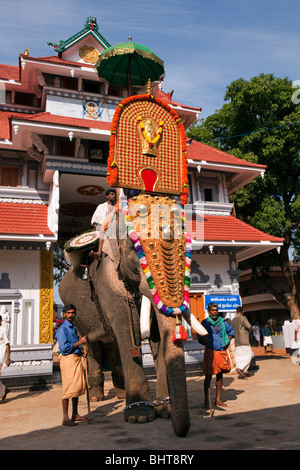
{"type": "Point", "coordinates": [209, 390]}
{"type": "Point", "coordinates": [87, 385]}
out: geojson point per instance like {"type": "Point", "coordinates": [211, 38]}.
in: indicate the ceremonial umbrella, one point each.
{"type": "Point", "coordinates": [129, 63]}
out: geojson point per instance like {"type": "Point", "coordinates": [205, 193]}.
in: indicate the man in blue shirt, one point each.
{"type": "Point", "coordinates": [216, 358]}
{"type": "Point", "coordinates": [72, 375]}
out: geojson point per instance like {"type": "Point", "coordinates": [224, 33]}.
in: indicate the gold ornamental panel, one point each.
{"type": "Point", "coordinates": [89, 54]}
{"type": "Point", "coordinates": [158, 223]}
{"type": "Point", "coordinates": [46, 297]}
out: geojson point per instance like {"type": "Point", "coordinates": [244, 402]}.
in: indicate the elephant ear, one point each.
{"type": "Point", "coordinates": [111, 249]}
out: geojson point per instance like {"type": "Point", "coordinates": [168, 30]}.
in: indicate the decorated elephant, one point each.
{"type": "Point", "coordinates": [140, 287]}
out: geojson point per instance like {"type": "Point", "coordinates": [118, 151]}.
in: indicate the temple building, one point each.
{"type": "Point", "coordinates": [55, 119]}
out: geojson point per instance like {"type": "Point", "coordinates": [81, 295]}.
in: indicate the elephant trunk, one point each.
{"type": "Point", "coordinates": [176, 375]}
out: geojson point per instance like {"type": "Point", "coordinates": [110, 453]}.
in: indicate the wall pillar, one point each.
{"type": "Point", "coordinates": [46, 297]}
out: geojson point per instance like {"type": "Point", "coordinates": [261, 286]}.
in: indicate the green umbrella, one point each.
{"type": "Point", "coordinates": [129, 63]}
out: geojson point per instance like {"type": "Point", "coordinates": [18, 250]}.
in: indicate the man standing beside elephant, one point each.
{"type": "Point", "coordinates": [216, 358]}
{"type": "Point", "coordinates": [73, 385]}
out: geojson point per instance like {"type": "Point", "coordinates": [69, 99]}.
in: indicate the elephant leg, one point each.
{"type": "Point", "coordinates": [116, 369]}
{"type": "Point", "coordinates": [96, 376]}
{"type": "Point", "coordinates": [161, 402]}
{"type": "Point", "coordinates": [176, 375]}
{"type": "Point", "coordinates": [139, 408]}
{"type": "Point", "coordinates": [162, 399]}
{"type": "Point", "coordinates": [119, 306]}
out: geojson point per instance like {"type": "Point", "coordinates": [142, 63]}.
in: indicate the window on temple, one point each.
{"type": "Point", "coordinates": [98, 151]}
{"type": "Point", "coordinates": [92, 87]}
{"type": "Point", "coordinates": [114, 90]}
{"type": "Point", "coordinates": [27, 99]}
{"type": "Point", "coordinates": [65, 148]}
{"type": "Point", "coordinates": [69, 83]}
{"type": "Point", "coordinates": [208, 195]}
{"type": "Point", "coordinates": [9, 176]}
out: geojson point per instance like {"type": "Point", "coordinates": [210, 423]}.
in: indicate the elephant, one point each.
{"type": "Point", "coordinates": [129, 310]}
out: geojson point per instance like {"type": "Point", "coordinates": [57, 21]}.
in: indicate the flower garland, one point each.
{"type": "Point", "coordinates": [112, 167]}
{"type": "Point", "coordinates": [156, 138]}
{"type": "Point", "coordinates": [144, 265]}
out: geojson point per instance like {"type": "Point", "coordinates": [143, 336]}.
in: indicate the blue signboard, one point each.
{"type": "Point", "coordinates": [226, 303]}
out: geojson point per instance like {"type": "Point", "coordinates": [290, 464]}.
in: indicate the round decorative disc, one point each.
{"type": "Point", "coordinates": [84, 239]}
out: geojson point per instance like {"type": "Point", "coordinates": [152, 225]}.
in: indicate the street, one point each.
{"type": "Point", "coordinates": [262, 413]}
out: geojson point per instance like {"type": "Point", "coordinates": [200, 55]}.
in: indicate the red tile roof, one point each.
{"type": "Point", "coordinates": [167, 97]}
{"type": "Point", "coordinates": [58, 60]}
{"type": "Point", "coordinates": [199, 151]}
{"type": "Point", "coordinates": [24, 219]}
{"type": "Point", "coordinates": [5, 128]}
{"type": "Point", "coordinates": [196, 150]}
{"type": "Point", "coordinates": [9, 72]}
{"type": "Point", "coordinates": [225, 228]}
{"type": "Point", "coordinates": [64, 120]}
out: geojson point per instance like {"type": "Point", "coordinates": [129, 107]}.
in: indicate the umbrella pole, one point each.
{"type": "Point", "coordinates": [129, 76]}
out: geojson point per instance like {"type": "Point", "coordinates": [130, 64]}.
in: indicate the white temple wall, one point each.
{"type": "Point", "coordinates": [21, 299]}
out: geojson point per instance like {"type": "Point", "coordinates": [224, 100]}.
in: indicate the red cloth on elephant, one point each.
{"type": "Point", "coordinates": [216, 361]}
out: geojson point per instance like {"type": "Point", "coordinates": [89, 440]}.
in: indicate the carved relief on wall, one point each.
{"type": "Point", "coordinates": [46, 296]}
{"type": "Point", "coordinates": [5, 320]}
{"type": "Point", "coordinates": [90, 190]}
{"type": "Point", "coordinates": [89, 54]}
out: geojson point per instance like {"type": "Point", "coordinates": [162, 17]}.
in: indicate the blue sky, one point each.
{"type": "Point", "coordinates": [205, 45]}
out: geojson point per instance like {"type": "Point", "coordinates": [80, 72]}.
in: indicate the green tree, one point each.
{"type": "Point", "coordinates": [260, 122]}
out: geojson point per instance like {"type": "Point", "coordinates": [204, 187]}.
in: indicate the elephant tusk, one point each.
{"type": "Point", "coordinates": [145, 317]}
{"type": "Point", "coordinates": [194, 323]}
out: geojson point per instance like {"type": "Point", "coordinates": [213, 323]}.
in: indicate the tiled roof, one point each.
{"type": "Point", "coordinates": [5, 129]}
{"type": "Point", "coordinates": [167, 97]}
{"type": "Point", "coordinates": [53, 119]}
{"type": "Point", "coordinates": [64, 120]}
{"type": "Point", "coordinates": [9, 72]}
{"type": "Point", "coordinates": [199, 151]}
{"type": "Point", "coordinates": [196, 150]}
{"type": "Point", "coordinates": [226, 228]}
{"type": "Point", "coordinates": [58, 60]}
{"type": "Point", "coordinates": [24, 219]}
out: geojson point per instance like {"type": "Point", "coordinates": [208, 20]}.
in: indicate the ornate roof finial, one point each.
{"type": "Point", "coordinates": [149, 87]}
{"type": "Point", "coordinates": [26, 52]}
{"type": "Point", "coordinates": [129, 38]}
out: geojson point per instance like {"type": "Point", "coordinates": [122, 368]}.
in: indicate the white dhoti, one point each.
{"type": "Point", "coordinates": [243, 356]}
{"type": "Point", "coordinates": [2, 387]}
{"type": "Point", "coordinates": [267, 340]}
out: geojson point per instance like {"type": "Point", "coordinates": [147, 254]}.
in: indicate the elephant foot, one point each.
{"type": "Point", "coordinates": [162, 407]}
{"type": "Point", "coordinates": [119, 385]}
{"type": "Point", "coordinates": [121, 394]}
{"type": "Point", "coordinates": [96, 393]}
{"type": "Point", "coordinates": [139, 412]}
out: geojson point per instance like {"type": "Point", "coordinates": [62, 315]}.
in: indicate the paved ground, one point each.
{"type": "Point", "coordinates": [262, 414]}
